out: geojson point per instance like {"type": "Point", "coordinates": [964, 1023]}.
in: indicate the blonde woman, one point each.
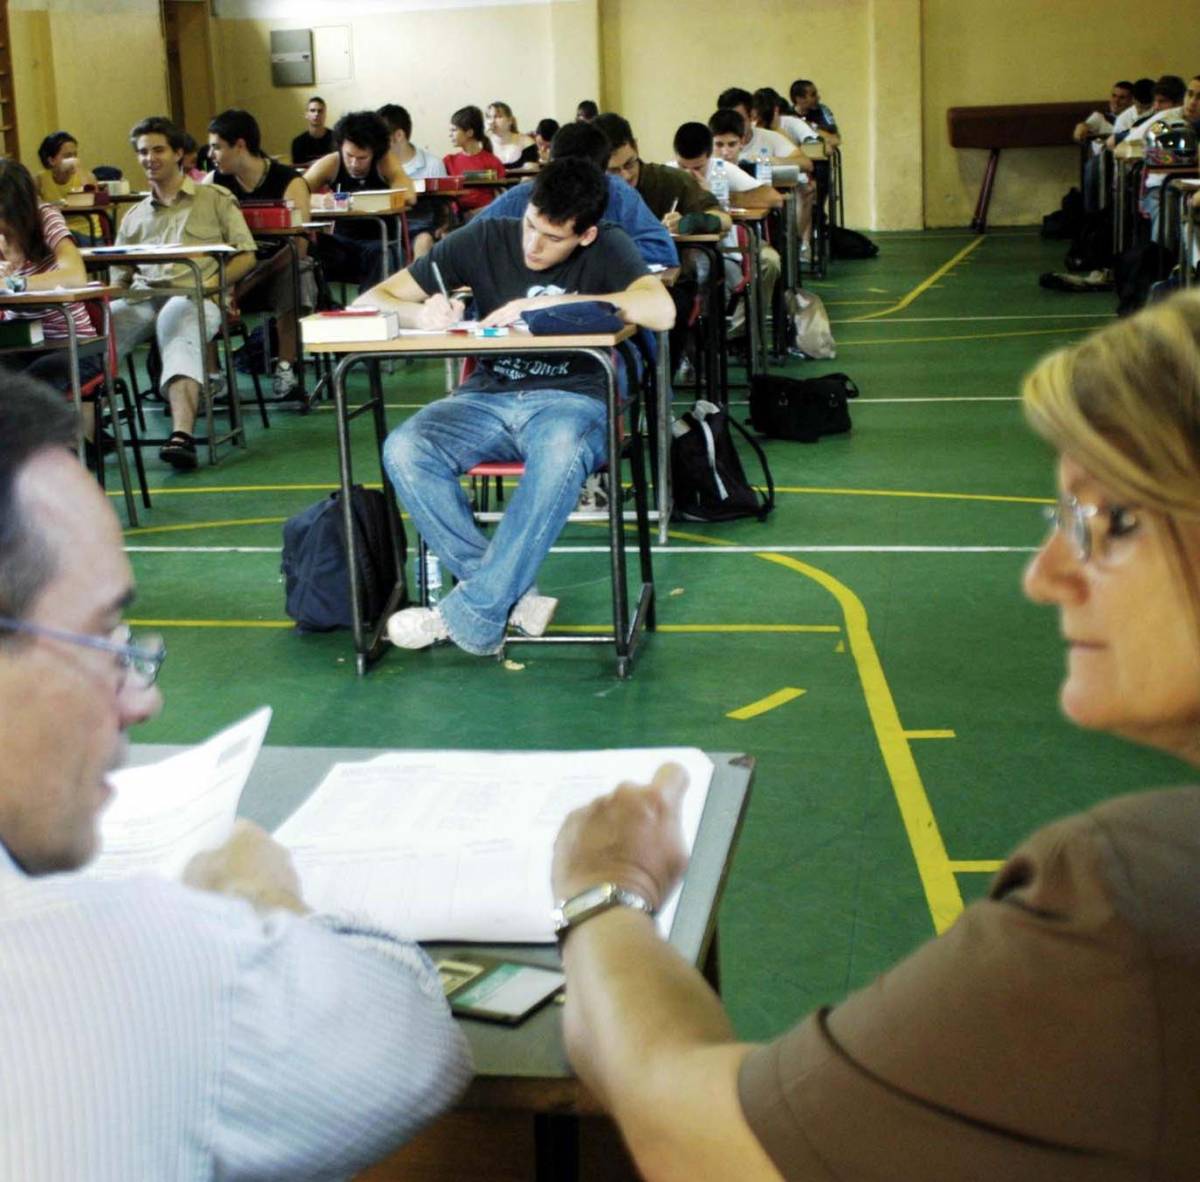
{"type": "Point", "coordinates": [1052, 1033]}
{"type": "Point", "coordinates": [514, 148]}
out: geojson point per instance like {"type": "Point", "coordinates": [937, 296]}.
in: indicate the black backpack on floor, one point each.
{"type": "Point", "coordinates": [801, 409]}
{"type": "Point", "coordinates": [317, 582]}
{"type": "Point", "coordinates": [850, 244]}
{"type": "Point", "coordinates": [707, 478]}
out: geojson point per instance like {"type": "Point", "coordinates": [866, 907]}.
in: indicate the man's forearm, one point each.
{"type": "Point", "coordinates": [239, 266]}
{"type": "Point", "coordinates": [646, 304]}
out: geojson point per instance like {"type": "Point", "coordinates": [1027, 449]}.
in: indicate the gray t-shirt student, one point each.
{"type": "Point", "coordinates": [487, 257]}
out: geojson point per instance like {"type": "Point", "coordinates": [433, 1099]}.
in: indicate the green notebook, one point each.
{"type": "Point", "coordinates": [20, 334]}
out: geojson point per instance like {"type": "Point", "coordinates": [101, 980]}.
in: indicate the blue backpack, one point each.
{"type": "Point", "coordinates": [317, 581]}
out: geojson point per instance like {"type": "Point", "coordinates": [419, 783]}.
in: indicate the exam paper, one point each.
{"type": "Point", "coordinates": [163, 813]}
{"type": "Point", "coordinates": [456, 845]}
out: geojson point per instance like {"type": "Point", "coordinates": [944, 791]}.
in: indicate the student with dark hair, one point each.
{"type": "Point", "coordinates": [60, 173]}
{"type": "Point", "coordinates": [625, 208]}
{"type": "Point", "coordinates": [806, 101]}
{"type": "Point", "coordinates": [586, 111]}
{"type": "Point", "coordinates": [363, 160]}
{"type": "Point", "coordinates": [418, 163]}
{"type": "Point", "coordinates": [37, 253]}
{"type": "Point", "coordinates": [543, 134]}
{"type": "Point", "coordinates": [546, 410]}
{"type": "Point", "coordinates": [472, 153]}
{"type": "Point", "coordinates": [317, 140]}
{"type": "Point", "coordinates": [235, 147]}
{"type": "Point", "coordinates": [176, 210]}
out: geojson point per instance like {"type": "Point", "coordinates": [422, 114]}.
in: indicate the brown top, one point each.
{"type": "Point", "coordinates": [1053, 1033]}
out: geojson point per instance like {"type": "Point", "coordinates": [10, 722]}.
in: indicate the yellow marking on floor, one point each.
{"type": "Point", "coordinates": [903, 492]}
{"type": "Point", "coordinates": [927, 283]}
{"type": "Point", "coordinates": [933, 863]}
{"type": "Point", "coordinates": [210, 623]}
{"type": "Point", "coordinates": [974, 336]}
{"type": "Point", "coordinates": [840, 647]}
{"type": "Point", "coordinates": [853, 303]}
{"type": "Point", "coordinates": [930, 735]}
{"type": "Point", "coordinates": [982, 866]}
{"type": "Point", "coordinates": [143, 530]}
{"type": "Point", "coordinates": [702, 628]}
{"type": "Point", "coordinates": [770, 702]}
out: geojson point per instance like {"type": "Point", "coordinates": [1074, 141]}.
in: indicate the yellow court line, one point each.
{"type": "Point", "coordinates": [210, 623]}
{"type": "Point", "coordinates": [925, 284]}
{"type": "Point", "coordinates": [142, 530]}
{"type": "Point", "coordinates": [930, 735]}
{"type": "Point", "coordinates": [933, 863]}
{"type": "Point", "coordinates": [974, 336]}
{"type": "Point", "coordinates": [901, 492]}
{"type": "Point", "coordinates": [982, 866]}
{"type": "Point", "coordinates": [715, 628]}
{"type": "Point", "coordinates": [770, 702]}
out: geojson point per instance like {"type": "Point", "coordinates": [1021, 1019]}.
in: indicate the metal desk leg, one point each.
{"type": "Point", "coordinates": [791, 244]}
{"type": "Point", "coordinates": [754, 313]}
{"type": "Point", "coordinates": [663, 442]}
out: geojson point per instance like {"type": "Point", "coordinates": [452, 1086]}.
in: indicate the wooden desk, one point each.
{"type": "Point", "coordinates": [521, 1070]}
{"type": "Point", "coordinates": [103, 257]}
{"type": "Point", "coordinates": [59, 298]}
{"type": "Point", "coordinates": [628, 625]}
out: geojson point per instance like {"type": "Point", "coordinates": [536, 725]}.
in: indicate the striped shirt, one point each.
{"type": "Point", "coordinates": [152, 1031]}
{"type": "Point", "coordinates": [54, 323]}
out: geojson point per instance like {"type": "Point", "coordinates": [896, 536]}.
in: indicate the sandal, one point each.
{"type": "Point", "coordinates": [179, 451]}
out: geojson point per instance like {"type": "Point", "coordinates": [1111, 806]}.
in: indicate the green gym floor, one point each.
{"type": "Point", "coordinates": [869, 644]}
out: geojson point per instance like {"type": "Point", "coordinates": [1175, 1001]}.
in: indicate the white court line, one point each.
{"type": "Point", "coordinates": [955, 319]}
{"type": "Point", "coordinates": [675, 549]}
{"type": "Point", "coordinates": [860, 402]}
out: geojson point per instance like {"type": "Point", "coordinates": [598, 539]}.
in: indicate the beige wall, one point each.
{"type": "Point", "coordinates": [979, 52]}
{"type": "Point", "coordinates": [94, 77]}
{"type": "Point", "coordinates": [889, 68]}
{"type": "Point", "coordinates": [535, 57]}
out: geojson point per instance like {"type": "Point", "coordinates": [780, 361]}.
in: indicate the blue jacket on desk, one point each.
{"type": "Point", "coordinates": [625, 208]}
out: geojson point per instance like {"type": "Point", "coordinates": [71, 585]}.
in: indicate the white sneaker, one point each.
{"type": "Point", "coordinates": [284, 381]}
{"type": "Point", "coordinates": [532, 613]}
{"type": "Point", "coordinates": [416, 627]}
{"type": "Point", "coordinates": [594, 495]}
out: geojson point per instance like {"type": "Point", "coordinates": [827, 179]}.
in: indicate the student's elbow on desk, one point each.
{"type": "Point", "coordinates": [651, 305]}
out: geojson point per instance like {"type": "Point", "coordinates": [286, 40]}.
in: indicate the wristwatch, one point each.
{"type": "Point", "coordinates": [570, 913]}
{"type": "Point", "coordinates": [15, 283]}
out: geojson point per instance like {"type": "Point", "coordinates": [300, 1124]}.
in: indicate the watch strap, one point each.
{"type": "Point", "coordinates": [570, 913]}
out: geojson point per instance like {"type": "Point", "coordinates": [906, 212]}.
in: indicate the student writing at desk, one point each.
{"type": "Point", "coordinates": [544, 410]}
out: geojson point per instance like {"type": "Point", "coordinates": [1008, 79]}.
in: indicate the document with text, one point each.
{"type": "Point", "coordinates": [163, 813]}
{"type": "Point", "coordinates": [456, 845]}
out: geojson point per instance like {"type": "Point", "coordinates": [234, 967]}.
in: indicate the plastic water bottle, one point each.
{"type": "Point", "coordinates": [719, 185]}
{"type": "Point", "coordinates": [763, 172]}
{"type": "Point", "coordinates": [433, 578]}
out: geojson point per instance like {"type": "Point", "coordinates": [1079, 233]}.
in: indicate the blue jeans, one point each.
{"type": "Point", "coordinates": [561, 437]}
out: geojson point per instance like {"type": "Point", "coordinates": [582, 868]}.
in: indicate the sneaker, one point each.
{"type": "Point", "coordinates": [217, 388]}
{"type": "Point", "coordinates": [532, 613]}
{"type": "Point", "coordinates": [685, 373]}
{"type": "Point", "coordinates": [179, 451]}
{"type": "Point", "coordinates": [284, 381]}
{"type": "Point", "coordinates": [417, 627]}
{"type": "Point", "coordinates": [594, 496]}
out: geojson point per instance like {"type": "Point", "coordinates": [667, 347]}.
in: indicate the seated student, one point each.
{"type": "Point", "coordinates": [151, 1029]}
{"type": "Point", "coordinates": [586, 111]}
{"type": "Point", "coordinates": [37, 253]}
{"type": "Point", "coordinates": [176, 210]}
{"type": "Point", "coordinates": [1141, 108]}
{"type": "Point", "coordinates": [694, 153]}
{"type": "Point", "coordinates": [1050, 1034]}
{"type": "Point", "coordinates": [543, 134]}
{"type": "Point", "coordinates": [512, 146]}
{"type": "Point", "coordinates": [545, 410]}
{"type": "Point", "coordinates": [806, 102]}
{"type": "Point", "coordinates": [1100, 123]}
{"type": "Point", "coordinates": [624, 207]}
{"type": "Point", "coordinates": [773, 113]}
{"type": "Point", "coordinates": [418, 163]}
{"type": "Point", "coordinates": [317, 140]}
{"type": "Point", "coordinates": [1167, 104]}
{"type": "Point", "coordinates": [61, 172]}
{"type": "Point", "coordinates": [353, 253]}
{"type": "Point", "coordinates": [191, 158]}
{"type": "Point", "coordinates": [235, 147]}
{"type": "Point", "coordinates": [472, 153]}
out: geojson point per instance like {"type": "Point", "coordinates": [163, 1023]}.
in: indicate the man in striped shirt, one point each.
{"type": "Point", "coordinates": [149, 1029]}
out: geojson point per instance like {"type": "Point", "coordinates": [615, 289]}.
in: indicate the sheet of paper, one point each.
{"type": "Point", "coordinates": [457, 844]}
{"type": "Point", "coordinates": [163, 813]}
